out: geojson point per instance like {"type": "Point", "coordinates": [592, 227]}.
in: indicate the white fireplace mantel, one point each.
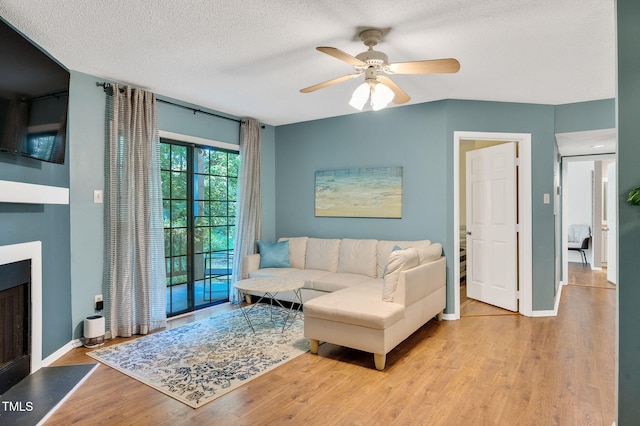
{"type": "Point", "coordinates": [30, 251]}
{"type": "Point", "coordinates": [20, 192]}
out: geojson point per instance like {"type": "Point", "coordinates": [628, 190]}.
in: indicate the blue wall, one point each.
{"type": "Point", "coordinates": [583, 116]}
{"type": "Point", "coordinates": [628, 377]}
{"type": "Point", "coordinates": [420, 139]}
{"type": "Point", "coordinates": [86, 137]}
{"type": "Point", "coordinates": [21, 223]}
{"type": "Point", "coordinates": [516, 118]}
{"type": "Point", "coordinates": [410, 137]}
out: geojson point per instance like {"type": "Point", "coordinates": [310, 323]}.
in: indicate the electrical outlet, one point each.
{"type": "Point", "coordinates": [98, 196]}
{"type": "Point", "coordinates": [98, 304]}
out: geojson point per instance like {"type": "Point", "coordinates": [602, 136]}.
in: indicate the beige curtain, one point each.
{"type": "Point", "coordinates": [249, 206]}
{"type": "Point", "coordinates": [134, 269]}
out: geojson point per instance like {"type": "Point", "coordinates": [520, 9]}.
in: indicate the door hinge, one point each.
{"type": "Point", "coordinates": [518, 294]}
{"type": "Point", "coordinates": [517, 161]}
{"type": "Point", "coordinates": [517, 227]}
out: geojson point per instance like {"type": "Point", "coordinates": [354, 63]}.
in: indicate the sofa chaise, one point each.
{"type": "Point", "coordinates": [364, 294]}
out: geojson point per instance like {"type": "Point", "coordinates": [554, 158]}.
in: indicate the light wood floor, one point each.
{"type": "Point", "coordinates": [481, 370]}
{"type": "Point", "coordinates": [582, 275]}
{"type": "Point", "coordinates": [474, 308]}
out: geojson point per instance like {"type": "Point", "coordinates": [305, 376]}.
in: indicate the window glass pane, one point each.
{"type": "Point", "coordinates": [234, 164]}
{"type": "Point", "coordinates": [207, 242]}
{"type": "Point", "coordinates": [220, 220]}
{"type": "Point", "coordinates": [218, 163]}
{"type": "Point", "coordinates": [168, 266]}
{"type": "Point", "coordinates": [232, 236]}
{"type": "Point", "coordinates": [201, 221]}
{"type": "Point", "coordinates": [178, 241]}
{"type": "Point", "coordinates": [167, 243]}
{"type": "Point", "coordinates": [219, 237]}
{"type": "Point", "coordinates": [179, 185]}
{"type": "Point", "coordinates": [233, 188]}
{"type": "Point", "coordinates": [199, 209]}
{"type": "Point", "coordinates": [219, 190]}
{"type": "Point", "coordinates": [200, 239]}
{"type": "Point", "coordinates": [178, 298]}
{"type": "Point", "coordinates": [178, 213]}
{"type": "Point", "coordinates": [219, 208]}
{"type": "Point", "coordinates": [201, 160]}
{"type": "Point", "coordinates": [179, 270]}
{"type": "Point", "coordinates": [165, 156]}
{"type": "Point", "coordinates": [199, 187]}
{"type": "Point", "coordinates": [165, 177]}
{"type": "Point", "coordinates": [178, 157]}
{"type": "Point", "coordinates": [200, 214]}
{"type": "Point", "coordinates": [166, 213]}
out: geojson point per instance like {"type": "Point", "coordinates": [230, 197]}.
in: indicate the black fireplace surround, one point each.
{"type": "Point", "coordinates": [15, 323]}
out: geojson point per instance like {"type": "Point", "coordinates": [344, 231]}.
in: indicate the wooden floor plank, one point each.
{"type": "Point", "coordinates": [481, 370]}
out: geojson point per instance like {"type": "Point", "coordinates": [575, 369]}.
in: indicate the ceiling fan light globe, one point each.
{"type": "Point", "coordinates": [360, 96]}
{"type": "Point", "coordinates": [381, 95]}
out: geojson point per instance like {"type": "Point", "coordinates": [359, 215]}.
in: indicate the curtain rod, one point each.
{"type": "Point", "coordinates": [106, 85]}
{"type": "Point", "coordinates": [50, 95]}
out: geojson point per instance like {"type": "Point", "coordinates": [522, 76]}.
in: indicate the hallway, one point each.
{"type": "Point", "coordinates": [580, 275]}
{"type": "Point", "coordinates": [583, 275]}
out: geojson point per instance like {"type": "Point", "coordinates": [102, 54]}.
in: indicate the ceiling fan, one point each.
{"type": "Point", "coordinates": [375, 66]}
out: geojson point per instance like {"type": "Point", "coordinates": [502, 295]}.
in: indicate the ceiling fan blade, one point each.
{"type": "Point", "coordinates": [434, 66]}
{"type": "Point", "coordinates": [339, 54]}
{"type": "Point", "coordinates": [329, 83]}
{"type": "Point", "coordinates": [401, 96]}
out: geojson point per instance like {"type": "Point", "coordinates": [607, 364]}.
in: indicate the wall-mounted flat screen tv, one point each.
{"type": "Point", "coordinates": [34, 98]}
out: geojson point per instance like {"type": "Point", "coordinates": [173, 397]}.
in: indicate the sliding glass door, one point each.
{"type": "Point", "coordinates": [199, 186]}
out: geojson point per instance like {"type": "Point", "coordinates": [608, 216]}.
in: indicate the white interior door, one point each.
{"type": "Point", "coordinates": [491, 226]}
{"type": "Point", "coordinates": [612, 199]}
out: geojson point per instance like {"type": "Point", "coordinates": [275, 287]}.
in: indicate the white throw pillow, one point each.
{"type": "Point", "coordinates": [430, 253]}
{"type": "Point", "coordinates": [399, 260]}
{"type": "Point", "coordinates": [385, 247]}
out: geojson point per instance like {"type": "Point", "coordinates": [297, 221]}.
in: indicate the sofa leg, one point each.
{"type": "Point", "coordinates": [314, 344]}
{"type": "Point", "coordinates": [440, 315]}
{"type": "Point", "coordinates": [380, 360]}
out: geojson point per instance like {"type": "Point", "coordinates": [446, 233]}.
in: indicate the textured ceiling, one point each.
{"type": "Point", "coordinates": [250, 58]}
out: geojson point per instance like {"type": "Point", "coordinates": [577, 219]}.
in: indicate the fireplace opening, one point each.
{"type": "Point", "coordinates": [15, 323]}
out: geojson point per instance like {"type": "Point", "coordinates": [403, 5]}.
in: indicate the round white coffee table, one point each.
{"type": "Point", "coordinates": [270, 287]}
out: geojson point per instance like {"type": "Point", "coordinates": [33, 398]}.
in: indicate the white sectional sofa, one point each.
{"type": "Point", "coordinates": [360, 293]}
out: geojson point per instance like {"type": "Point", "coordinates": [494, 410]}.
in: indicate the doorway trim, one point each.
{"type": "Point", "coordinates": [565, 219]}
{"type": "Point", "coordinates": [525, 262]}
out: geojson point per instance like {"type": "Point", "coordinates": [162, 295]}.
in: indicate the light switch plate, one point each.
{"type": "Point", "coordinates": [98, 196]}
{"type": "Point", "coordinates": [547, 199]}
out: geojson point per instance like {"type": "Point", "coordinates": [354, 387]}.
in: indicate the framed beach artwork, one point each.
{"type": "Point", "coordinates": [369, 192]}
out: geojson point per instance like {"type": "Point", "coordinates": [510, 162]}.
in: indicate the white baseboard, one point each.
{"type": "Point", "coordinates": [61, 352]}
{"type": "Point", "coordinates": [554, 312]}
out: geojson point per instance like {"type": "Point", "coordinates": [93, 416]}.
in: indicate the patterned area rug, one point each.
{"type": "Point", "coordinates": [201, 361]}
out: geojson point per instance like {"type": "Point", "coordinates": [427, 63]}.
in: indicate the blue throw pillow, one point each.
{"type": "Point", "coordinates": [274, 255]}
